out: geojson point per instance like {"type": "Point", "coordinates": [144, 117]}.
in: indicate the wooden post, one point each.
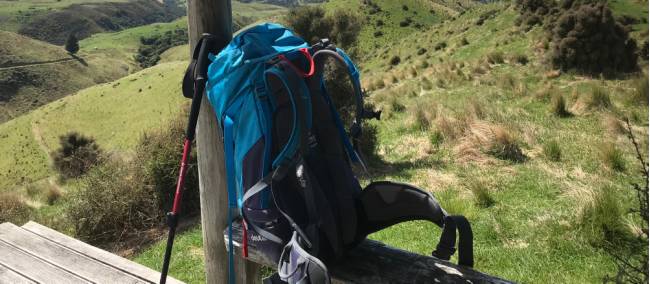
{"type": "Point", "coordinates": [214, 17]}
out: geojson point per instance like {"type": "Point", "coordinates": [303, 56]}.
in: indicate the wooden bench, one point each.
{"type": "Point", "coordinates": [36, 254]}
{"type": "Point", "coordinates": [375, 262]}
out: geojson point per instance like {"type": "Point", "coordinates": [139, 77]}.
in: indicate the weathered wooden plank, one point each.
{"type": "Point", "coordinates": [374, 262]}
{"type": "Point", "coordinates": [9, 276]}
{"type": "Point", "coordinates": [97, 254]}
{"type": "Point", "coordinates": [63, 257]}
{"type": "Point", "coordinates": [34, 268]}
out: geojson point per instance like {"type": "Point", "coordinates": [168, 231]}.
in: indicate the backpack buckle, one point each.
{"type": "Point", "coordinates": [260, 90]}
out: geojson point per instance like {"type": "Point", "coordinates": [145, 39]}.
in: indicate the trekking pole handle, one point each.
{"type": "Point", "coordinates": [199, 84]}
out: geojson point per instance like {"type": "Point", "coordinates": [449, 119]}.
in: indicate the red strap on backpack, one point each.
{"type": "Point", "coordinates": [244, 240]}
{"type": "Point", "coordinates": [306, 53]}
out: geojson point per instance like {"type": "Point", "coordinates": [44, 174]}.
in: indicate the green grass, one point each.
{"type": "Point", "coordinates": [187, 257]}
{"type": "Point", "coordinates": [13, 13]}
{"type": "Point", "coordinates": [527, 232]}
{"type": "Point", "coordinates": [115, 114]}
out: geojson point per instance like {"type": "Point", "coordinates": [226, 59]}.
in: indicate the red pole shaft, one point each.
{"type": "Point", "coordinates": [187, 148]}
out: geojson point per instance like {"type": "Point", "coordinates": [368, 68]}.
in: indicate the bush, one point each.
{"type": "Point", "coordinates": [72, 44]}
{"type": "Point", "coordinates": [368, 144]}
{"type": "Point", "coordinates": [13, 209]}
{"type": "Point", "coordinates": [612, 157]}
{"type": "Point", "coordinates": [76, 156]}
{"type": "Point", "coordinates": [112, 204]}
{"type": "Point", "coordinates": [158, 155]}
{"type": "Point", "coordinates": [312, 24]}
{"type": "Point", "coordinates": [558, 106]}
{"type": "Point", "coordinates": [153, 46]}
{"type": "Point", "coordinates": [589, 40]}
{"type": "Point", "coordinates": [406, 22]}
{"type": "Point", "coordinates": [552, 151]}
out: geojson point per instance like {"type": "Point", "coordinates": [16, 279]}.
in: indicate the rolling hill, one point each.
{"type": "Point", "coordinates": [469, 113]}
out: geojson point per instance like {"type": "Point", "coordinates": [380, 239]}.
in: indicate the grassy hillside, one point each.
{"type": "Point", "coordinates": [33, 73]}
{"type": "Point", "coordinates": [470, 113]}
{"type": "Point", "coordinates": [103, 57]}
{"type": "Point", "coordinates": [116, 114]}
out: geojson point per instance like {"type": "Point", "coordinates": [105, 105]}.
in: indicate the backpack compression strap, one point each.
{"type": "Point", "coordinates": [341, 58]}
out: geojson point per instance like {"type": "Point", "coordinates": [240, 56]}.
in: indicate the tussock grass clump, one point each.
{"type": "Point", "coordinates": [474, 110]}
{"type": "Point", "coordinates": [505, 147]}
{"type": "Point", "coordinates": [482, 196]}
{"type": "Point", "coordinates": [601, 221]}
{"type": "Point", "coordinates": [507, 81]}
{"type": "Point", "coordinates": [52, 195]}
{"type": "Point", "coordinates": [546, 92]}
{"type": "Point", "coordinates": [495, 57]}
{"type": "Point", "coordinates": [553, 151]}
{"type": "Point", "coordinates": [483, 137]}
{"type": "Point", "coordinates": [641, 92]}
{"type": "Point", "coordinates": [440, 46]}
{"type": "Point", "coordinates": [13, 208]}
{"type": "Point", "coordinates": [598, 99]}
{"type": "Point", "coordinates": [520, 59]}
{"type": "Point", "coordinates": [424, 114]}
{"type": "Point", "coordinates": [558, 106]}
{"type": "Point", "coordinates": [436, 138]}
{"type": "Point", "coordinates": [613, 125]}
{"type": "Point", "coordinates": [426, 84]}
{"type": "Point", "coordinates": [612, 157]}
{"type": "Point", "coordinates": [395, 104]}
{"type": "Point", "coordinates": [463, 42]}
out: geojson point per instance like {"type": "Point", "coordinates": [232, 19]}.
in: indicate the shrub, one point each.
{"type": "Point", "coordinates": [612, 157]}
{"type": "Point", "coordinates": [589, 40]}
{"type": "Point", "coordinates": [368, 144]}
{"type": "Point", "coordinates": [558, 106]}
{"type": "Point", "coordinates": [395, 60]}
{"type": "Point", "coordinates": [72, 44]}
{"type": "Point", "coordinates": [495, 57]}
{"type": "Point", "coordinates": [151, 47]}
{"type": "Point", "coordinates": [312, 23]}
{"type": "Point", "coordinates": [552, 151]}
{"type": "Point", "coordinates": [13, 208]}
{"type": "Point", "coordinates": [76, 155]}
{"type": "Point", "coordinates": [158, 155]}
{"type": "Point", "coordinates": [482, 196]}
{"type": "Point", "coordinates": [464, 41]}
{"type": "Point", "coordinates": [112, 203]}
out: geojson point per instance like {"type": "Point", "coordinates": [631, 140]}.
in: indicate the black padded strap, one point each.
{"type": "Point", "coordinates": [447, 244]}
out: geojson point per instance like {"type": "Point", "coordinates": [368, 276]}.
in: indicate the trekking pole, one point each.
{"type": "Point", "coordinates": [200, 78]}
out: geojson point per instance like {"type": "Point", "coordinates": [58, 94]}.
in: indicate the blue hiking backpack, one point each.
{"type": "Point", "coordinates": [289, 158]}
